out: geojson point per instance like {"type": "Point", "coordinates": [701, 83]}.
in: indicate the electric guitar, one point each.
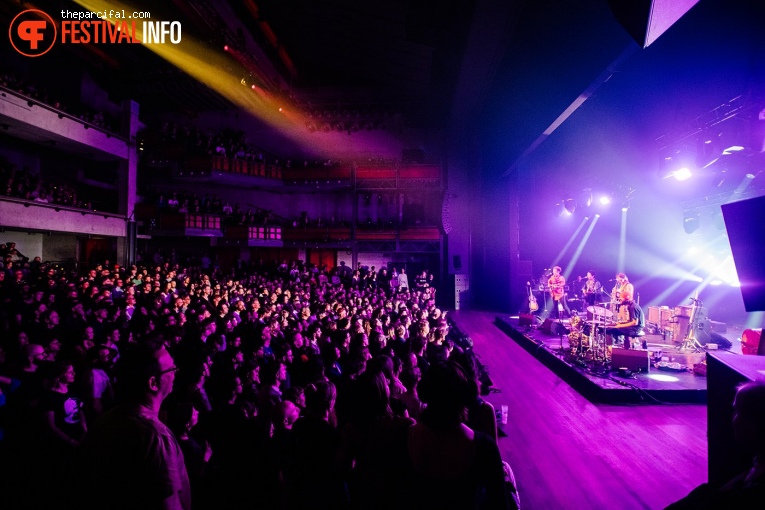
{"type": "Point", "coordinates": [533, 306]}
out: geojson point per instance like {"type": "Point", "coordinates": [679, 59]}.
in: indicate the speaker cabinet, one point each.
{"type": "Point", "coordinates": [635, 360]}
{"type": "Point", "coordinates": [525, 319]}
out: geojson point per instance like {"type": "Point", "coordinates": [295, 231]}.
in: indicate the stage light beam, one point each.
{"type": "Point", "coordinates": [622, 243]}
{"type": "Point", "coordinates": [580, 248]}
{"type": "Point", "coordinates": [569, 242]}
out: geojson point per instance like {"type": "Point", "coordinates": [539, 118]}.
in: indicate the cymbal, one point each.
{"type": "Point", "coordinates": [599, 312]}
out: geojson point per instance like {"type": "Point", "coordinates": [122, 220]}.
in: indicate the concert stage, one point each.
{"type": "Point", "coordinates": [600, 382]}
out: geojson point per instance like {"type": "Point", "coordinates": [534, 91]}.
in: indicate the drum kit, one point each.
{"type": "Point", "coordinates": [588, 338]}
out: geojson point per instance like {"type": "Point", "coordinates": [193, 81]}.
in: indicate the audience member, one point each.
{"type": "Point", "coordinates": [133, 460]}
{"type": "Point", "coordinates": [747, 490]}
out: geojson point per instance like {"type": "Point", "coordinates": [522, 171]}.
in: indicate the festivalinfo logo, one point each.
{"type": "Point", "coordinates": [33, 32]}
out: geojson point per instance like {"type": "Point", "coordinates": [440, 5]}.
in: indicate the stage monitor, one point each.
{"type": "Point", "coordinates": [745, 224]}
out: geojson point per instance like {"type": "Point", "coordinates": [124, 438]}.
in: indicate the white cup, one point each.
{"type": "Point", "coordinates": [504, 414]}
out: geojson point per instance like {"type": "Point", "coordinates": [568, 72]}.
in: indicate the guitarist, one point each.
{"type": "Point", "coordinates": [557, 283]}
{"type": "Point", "coordinates": [591, 289]}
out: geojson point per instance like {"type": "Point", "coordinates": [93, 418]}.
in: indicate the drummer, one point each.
{"type": "Point", "coordinates": [591, 289]}
{"type": "Point", "coordinates": [630, 321]}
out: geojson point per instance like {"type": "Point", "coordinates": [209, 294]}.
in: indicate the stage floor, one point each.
{"type": "Point", "coordinates": [600, 382]}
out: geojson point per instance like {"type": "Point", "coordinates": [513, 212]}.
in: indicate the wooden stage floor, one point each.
{"type": "Point", "coordinates": [568, 452]}
{"type": "Point", "coordinates": [600, 382]}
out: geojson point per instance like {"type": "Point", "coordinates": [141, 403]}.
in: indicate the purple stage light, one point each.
{"type": "Point", "coordinates": [682, 174]}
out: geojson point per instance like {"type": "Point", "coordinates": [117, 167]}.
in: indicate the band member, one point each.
{"type": "Point", "coordinates": [630, 321]}
{"type": "Point", "coordinates": [591, 289]}
{"type": "Point", "coordinates": [622, 285]}
{"type": "Point", "coordinates": [557, 285]}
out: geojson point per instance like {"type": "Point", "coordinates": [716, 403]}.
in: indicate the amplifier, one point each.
{"type": "Point", "coordinates": [633, 359]}
{"type": "Point", "coordinates": [666, 318]}
{"type": "Point", "coordinates": [685, 311]}
{"type": "Point", "coordinates": [661, 316]}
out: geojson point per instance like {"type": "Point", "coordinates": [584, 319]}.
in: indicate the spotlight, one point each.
{"type": "Point", "coordinates": [570, 205]}
{"type": "Point", "coordinates": [225, 48]}
{"type": "Point", "coordinates": [682, 174]}
{"type": "Point", "coordinates": [585, 199]}
{"type": "Point", "coordinates": [625, 205]}
{"type": "Point", "coordinates": [750, 176]}
{"type": "Point", "coordinates": [605, 200]}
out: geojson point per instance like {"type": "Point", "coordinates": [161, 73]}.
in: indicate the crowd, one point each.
{"type": "Point", "coordinates": [23, 185]}
{"type": "Point", "coordinates": [25, 87]}
{"type": "Point", "coordinates": [278, 386]}
{"type": "Point", "coordinates": [195, 142]}
{"type": "Point", "coordinates": [226, 142]}
{"type": "Point", "coordinates": [186, 202]}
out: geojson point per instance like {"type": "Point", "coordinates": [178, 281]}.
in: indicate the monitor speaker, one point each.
{"type": "Point", "coordinates": [634, 360]}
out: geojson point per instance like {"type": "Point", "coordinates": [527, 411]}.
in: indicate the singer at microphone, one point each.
{"type": "Point", "coordinates": [591, 289]}
{"type": "Point", "coordinates": [622, 285]}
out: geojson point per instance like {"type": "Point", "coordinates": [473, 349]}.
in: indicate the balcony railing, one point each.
{"type": "Point", "coordinates": [204, 221]}
{"type": "Point", "coordinates": [244, 167]}
{"type": "Point", "coordinates": [404, 174]}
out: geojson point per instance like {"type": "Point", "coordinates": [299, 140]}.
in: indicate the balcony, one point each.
{"type": "Point", "coordinates": [27, 214]}
{"type": "Point", "coordinates": [38, 122]}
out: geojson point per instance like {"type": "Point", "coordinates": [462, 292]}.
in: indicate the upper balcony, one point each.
{"type": "Point", "coordinates": [34, 121]}
{"type": "Point", "coordinates": [36, 216]}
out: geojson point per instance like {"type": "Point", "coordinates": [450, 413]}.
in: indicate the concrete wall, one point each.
{"type": "Point", "coordinates": [59, 247]}
{"type": "Point", "coordinates": [36, 217]}
{"type": "Point", "coordinates": [379, 260]}
{"type": "Point", "coordinates": [29, 245]}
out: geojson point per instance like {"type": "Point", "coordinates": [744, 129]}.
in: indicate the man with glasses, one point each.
{"type": "Point", "coordinates": [133, 459]}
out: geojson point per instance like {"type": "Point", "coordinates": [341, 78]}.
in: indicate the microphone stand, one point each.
{"type": "Point", "coordinates": [561, 329]}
